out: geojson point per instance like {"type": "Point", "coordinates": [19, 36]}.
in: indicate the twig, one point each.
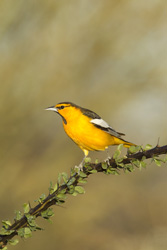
{"type": "Point", "coordinates": [71, 185]}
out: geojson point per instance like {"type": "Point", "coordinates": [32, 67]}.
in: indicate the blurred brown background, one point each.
{"type": "Point", "coordinates": [108, 56]}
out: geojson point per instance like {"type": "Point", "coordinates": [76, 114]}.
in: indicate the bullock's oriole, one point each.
{"type": "Point", "coordinates": [87, 129]}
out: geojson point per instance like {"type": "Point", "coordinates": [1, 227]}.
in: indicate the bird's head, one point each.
{"type": "Point", "coordinates": [64, 109]}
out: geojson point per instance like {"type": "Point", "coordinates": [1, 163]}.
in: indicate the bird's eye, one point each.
{"type": "Point", "coordinates": [61, 107]}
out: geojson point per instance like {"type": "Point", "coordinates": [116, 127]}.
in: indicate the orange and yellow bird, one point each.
{"type": "Point", "coordinates": [87, 129]}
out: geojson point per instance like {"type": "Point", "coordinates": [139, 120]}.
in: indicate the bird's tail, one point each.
{"type": "Point", "coordinates": [126, 144]}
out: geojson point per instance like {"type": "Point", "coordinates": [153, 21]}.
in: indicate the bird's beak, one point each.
{"type": "Point", "coordinates": [52, 108]}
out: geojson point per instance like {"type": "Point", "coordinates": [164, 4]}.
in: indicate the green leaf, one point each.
{"type": "Point", "coordinates": [47, 213]}
{"type": "Point", "coordinates": [41, 198]}
{"type": "Point", "coordinates": [104, 165]}
{"type": "Point", "coordinates": [4, 231]}
{"type": "Point", "coordinates": [120, 164]}
{"type": "Point", "coordinates": [18, 215]}
{"type": "Point", "coordinates": [93, 171]}
{"type": "Point", "coordinates": [24, 232]}
{"type": "Point", "coordinates": [31, 220]}
{"type": "Point", "coordinates": [134, 149]}
{"type": "Point", "coordinates": [87, 160]}
{"type": "Point", "coordinates": [59, 202]}
{"type": "Point", "coordinates": [71, 181]}
{"type": "Point", "coordinates": [32, 223]}
{"type": "Point", "coordinates": [165, 159]}
{"type": "Point", "coordinates": [52, 188]}
{"type": "Point", "coordinates": [5, 248]}
{"type": "Point", "coordinates": [72, 171]}
{"type": "Point", "coordinates": [79, 189]}
{"type": "Point", "coordinates": [143, 164]}
{"type": "Point", "coordinates": [61, 196]}
{"type": "Point", "coordinates": [26, 208]}
{"type": "Point", "coordinates": [71, 189]}
{"type": "Point", "coordinates": [82, 174]}
{"type": "Point", "coordinates": [6, 223]}
{"type": "Point", "coordinates": [136, 162]}
{"type": "Point", "coordinates": [13, 242]}
{"type": "Point", "coordinates": [20, 232]}
{"type": "Point", "coordinates": [113, 171]}
{"type": "Point", "coordinates": [27, 232]}
{"type": "Point", "coordinates": [59, 178]}
{"type": "Point", "coordinates": [75, 193]}
{"type": "Point", "coordinates": [129, 168]}
{"type": "Point", "coordinates": [120, 146]}
{"type": "Point", "coordinates": [157, 162]}
{"type": "Point", "coordinates": [65, 177]}
{"type": "Point", "coordinates": [116, 154]}
{"type": "Point", "coordinates": [81, 180]}
{"type": "Point", "coordinates": [148, 147]}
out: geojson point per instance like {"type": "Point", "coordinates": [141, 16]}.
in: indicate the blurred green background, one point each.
{"type": "Point", "coordinates": [108, 56]}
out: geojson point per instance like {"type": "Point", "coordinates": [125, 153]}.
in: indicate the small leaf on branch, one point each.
{"type": "Point", "coordinates": [143, 164]}
{"type": "Point", "coordinates": [134, 149]}
{"type": "Point", "coordinates": [82, 180]}
{"type": "Point", "coordinates": [165, 159]}
{"type": "Point", "coordinates": [24, 232]}
{"type": "Point", "coordinates": [82, 174]}
{"type": "Point", "coordinates": [93, 171]}
{"type": "Point", "coordinates": [129, 168]}
{"type": "Point", "coordinates": [6, 224]}
{"type": "Point", "coordinates": [18, 215]}
{"type": "Point", "coordinates": [120, 146]}
{"type": "Point", "coordinates": [5, 248]}
{"type": "Point", "coordinates": [59, 202]}
{"type": "Point", "coordinates": [31, 221]}
{"type": "Point", "coordinates": [59, 178]}
{"type": "Point", "coordinates": [113, 171]}
{"type": "Point", "coordinates": [104, 165]}
{"type": "Point", "coordinates": [79, 190]}
{"type": "Point", "coordinates": [157, 162]}
{"type": "Point", "coordinates": [61, 196]}
{"type": "Point", "coordinates": [116, 154]}
{"type": "Point", "coordinates": [13, 242]}
{"type": "Point", "coordinates": [47, 214]}
{"type": "Point", "coordinates": [41, 198]}
{"type": "Point", "coordinates": [26, 208]}
{"type": "Point", "coordinates": [71, 181]}
{"type": "Point", "coordinates": [52, 188]}
{"type": "Point", "coordinates": [87, 160]}
{"type": "Point", "coordinates": [148, 147]}
{"type": "Point", "coordinates": [4, 231]}
{"type": "Point", "coordinates": [65, 177]}
{"type": "Point", "coordinates": [136, 163]}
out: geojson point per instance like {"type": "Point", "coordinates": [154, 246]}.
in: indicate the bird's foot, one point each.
{"type": "Point", "coordinates": [108, 160]}
{"type": "Point", "coordinates": [79, 168]}
{"type": "Point", "coordinates": [81, 165]}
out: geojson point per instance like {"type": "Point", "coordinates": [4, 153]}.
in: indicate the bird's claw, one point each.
{"type": "Point", "coordinates": [108, 160]}
{"type": "Point", "coordinates": [80, 167]}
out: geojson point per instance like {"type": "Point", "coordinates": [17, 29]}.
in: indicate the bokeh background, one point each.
{"type": "Point", "coordinates": [108, 56]}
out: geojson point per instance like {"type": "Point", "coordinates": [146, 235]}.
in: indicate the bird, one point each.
{"type": "Point", "coordinates": [87, 129]}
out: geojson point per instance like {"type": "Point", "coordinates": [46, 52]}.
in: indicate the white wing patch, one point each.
{"type": "Point", "coordinates": [101, 123]}
{"type": "Point", "coordinates": [106, 127]}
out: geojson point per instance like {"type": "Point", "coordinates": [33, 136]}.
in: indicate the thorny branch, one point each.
{"type": "Point", "coordinates": [68, 187]}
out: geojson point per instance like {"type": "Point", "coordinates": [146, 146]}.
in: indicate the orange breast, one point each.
{"type": "Point", "coordinates": [86, 135]}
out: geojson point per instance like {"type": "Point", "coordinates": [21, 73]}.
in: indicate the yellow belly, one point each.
{"type": "Point", "coordinates": [87, 136]}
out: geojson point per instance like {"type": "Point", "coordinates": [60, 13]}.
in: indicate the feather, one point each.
{"type": "Point", "coordinates": [100, 123]}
